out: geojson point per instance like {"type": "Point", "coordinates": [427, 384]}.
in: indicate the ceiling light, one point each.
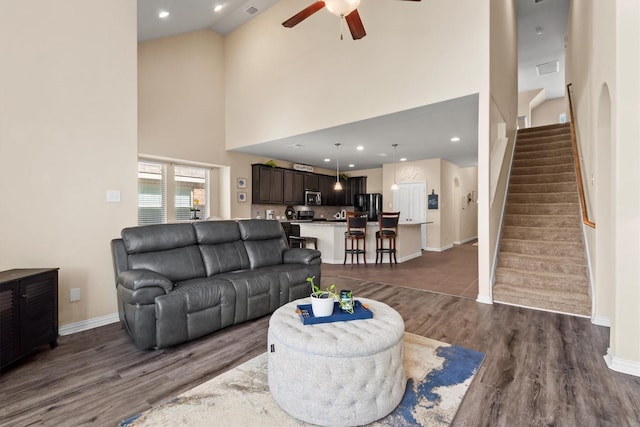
{"type": "Point", "coordinates": [455, 139]}
{"type": "Point", "coordinates": [403, 159]}
{"type": "Point", "coordinates": [539, 31]}
{"type": "Point", "coordinates": [327, 160]}
{"type": "Point", "coordinates": [341, 8]}
{"type": "Point", "coordinates": [163, 14]}
{"type": "Point", "coordinates": [338, 186]}
{"type": "Point", "coordinates": [352, 165]}
{"type": "Point", "coordinates": [218, 8]}
{"type": "Point", "coordinates": [359, 148]}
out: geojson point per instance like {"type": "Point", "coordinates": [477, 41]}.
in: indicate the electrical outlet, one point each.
{"type": "Point", "coordinates": [75, 294]}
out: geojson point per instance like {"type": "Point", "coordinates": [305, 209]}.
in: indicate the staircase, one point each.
{"type": "Point", "coordinates": [541, 260]}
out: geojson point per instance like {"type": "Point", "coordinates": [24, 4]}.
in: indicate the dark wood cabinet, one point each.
{"type": "Point", "coordinates": [311, 182]}
{"type": "Point", "coordinates": [267, 185]}
{"type": "Point", "coordinates": [287, 186]}
{"type": "Point", "coordinates": [28, 311]}
{"type": "Point", "coordinates": [293, 187]}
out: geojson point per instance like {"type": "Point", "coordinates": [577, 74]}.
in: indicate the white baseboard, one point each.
{"type": "Point", "coordinates": [442, 249]}
{"type": "Point", "coordinates": [85, 325]}
{"type": "Point", "coordinates": [601, 321]}
{"type": "Point", "coordinates": [630, 367]}
{"type": "Point", "coordinates": [462, 242]}
{"type": "Point", "coordinates": [484, 299]}
{"type": "Point", "coordinates": [371, 260]}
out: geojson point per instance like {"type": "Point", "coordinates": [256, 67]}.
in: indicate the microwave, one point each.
{"type": "Point", "coordinates": [312, 198]}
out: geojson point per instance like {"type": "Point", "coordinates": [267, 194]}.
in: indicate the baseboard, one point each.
{"type": "Point", "coordinates": [442, 249]}
{"type": "Point", "coordinates": [630, 367]}
{"type": "Point", "coordinates": [484, 299]}
{"type": "Point", "coordinates": [462, 242]}
{"type": "Point", "coordinates": [85, 325]}
{"type": "Point", "coordinates": [601, 321]}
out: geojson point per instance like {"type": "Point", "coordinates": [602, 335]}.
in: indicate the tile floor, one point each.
{"type": "Point", "coordinates": [452, 272]}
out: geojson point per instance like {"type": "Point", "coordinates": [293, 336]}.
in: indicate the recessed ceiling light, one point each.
{"type": "Point", "coordinates": [163, 14]}
{"type": "Point", "coordinates": [404, 159]}
{"type": "Point", "coordinates": [218, 8]}
{"type": "Point", "coordinates": [352, 165]}
{"type": "Point", "coordinates": [327, 160]}
{"type": "Point", "coordinates": [359, 148]}
{"type": "Point", "coordinates": [455, 139]}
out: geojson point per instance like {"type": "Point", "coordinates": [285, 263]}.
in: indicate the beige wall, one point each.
{"type": "Point", "coordinates": [67, 135]}
{"type": "Point", "coordinates": [603, 57]}
{"type": "Point", "coordinates": [503, 108]}
{"type": "Point", "coordinates": [548, 113]}
{"type": "Point", "coordinates": [291, 81]}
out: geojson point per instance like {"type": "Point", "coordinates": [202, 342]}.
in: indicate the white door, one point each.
{"type": "Point", "coordinates": [410, 199]}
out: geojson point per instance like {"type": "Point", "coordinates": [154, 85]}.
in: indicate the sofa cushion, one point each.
{"type": "Point", "coordinates": [221, 247]}
{"type": "Point", "coordinates": [257, 292]}
{"type": "Point", "coordinates": [176, 264]}
{"type": "Point", "coordinates": [158, 237]}
{"type": "Point", "coordinates": [264, 241]}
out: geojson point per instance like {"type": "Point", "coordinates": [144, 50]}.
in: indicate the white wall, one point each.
{"type": "Point", "coordinates": [291, 81]}
{"type": "Point", "coordinates": [548, 113]}
{"type": "Point", "coordinates": [67, 135]}
{"type": "Point", "coordinates": [603, 65]}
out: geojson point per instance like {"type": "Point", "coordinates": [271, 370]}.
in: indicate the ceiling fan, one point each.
{"type": "Point", "coordinates": [346, 9]}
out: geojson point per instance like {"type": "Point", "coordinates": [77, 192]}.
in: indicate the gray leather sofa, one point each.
{"type": "Point", "coordinates": [178, 282]}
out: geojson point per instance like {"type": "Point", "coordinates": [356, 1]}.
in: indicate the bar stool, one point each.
{"type": "Point", "coordinates": [302, 242]}
{"type": "Point", "coordinates": [356, 232]}
{"type": "Point", "coordinates": [387, 230]}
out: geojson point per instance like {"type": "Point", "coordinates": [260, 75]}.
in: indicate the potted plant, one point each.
{"type": "Point", "coordinates": [322, 301]}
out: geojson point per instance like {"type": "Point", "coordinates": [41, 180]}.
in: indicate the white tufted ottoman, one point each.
{"type": "Point", "coordinates": [339, 374]}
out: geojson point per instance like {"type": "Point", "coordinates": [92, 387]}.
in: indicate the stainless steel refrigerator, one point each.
{"type": "Point", "coordinates": [371, 203]}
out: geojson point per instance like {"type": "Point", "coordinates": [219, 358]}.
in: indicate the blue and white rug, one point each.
{"type": "Point", "coordinates": [438, 374]}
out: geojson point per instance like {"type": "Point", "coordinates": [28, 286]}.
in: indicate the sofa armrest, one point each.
{"type": "Point", "coordinates": [138, 279]}
{"type": "Point", "coordinates": [301, 256]}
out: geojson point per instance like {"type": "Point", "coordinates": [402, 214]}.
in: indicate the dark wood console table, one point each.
{"type": "Point", "coordinates": [28, 311]}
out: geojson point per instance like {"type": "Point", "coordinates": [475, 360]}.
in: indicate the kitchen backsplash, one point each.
{"type": "Point", "coordinates": [260, 211]}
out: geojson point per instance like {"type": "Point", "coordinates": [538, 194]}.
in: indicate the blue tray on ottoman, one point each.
{"type": "Point", "coordinates": [359, 312]}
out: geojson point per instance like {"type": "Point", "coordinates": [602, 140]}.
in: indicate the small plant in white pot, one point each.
{"type": "Point", "coordinates": [322, 302]}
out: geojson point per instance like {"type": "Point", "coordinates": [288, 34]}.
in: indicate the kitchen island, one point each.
{"type": "Point", "coordinates": [330, 235]}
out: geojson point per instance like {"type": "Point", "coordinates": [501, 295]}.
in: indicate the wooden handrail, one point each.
{"type": "Point", "coordinates": [574, 140]}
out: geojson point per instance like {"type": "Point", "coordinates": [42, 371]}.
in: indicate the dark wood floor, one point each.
{"type": "Point", "coordinates": [540, 368]}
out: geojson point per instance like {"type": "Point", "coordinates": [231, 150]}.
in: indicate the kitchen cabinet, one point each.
{"type": "Point", "coordinates": [410, 199]}
{"type": "Point", "coordinates": [267, 185]}
{"type": "Point", "coordinates": [311, 182]}
{"type": "Point", "coordinates": [28, 311]}
{"type": "Point", "coordinates": [326, 184]}
{"type": "Point", "coordinates": [293, 187]}
{"type": "Point", "coordinates": [353, 185]}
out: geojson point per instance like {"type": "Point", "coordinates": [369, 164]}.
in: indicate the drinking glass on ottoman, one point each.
{"type": "Point", "coordinates": [341, 373]}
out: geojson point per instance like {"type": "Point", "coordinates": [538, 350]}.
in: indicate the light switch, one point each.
{"type": "Point", "coordinates": [113, 196]}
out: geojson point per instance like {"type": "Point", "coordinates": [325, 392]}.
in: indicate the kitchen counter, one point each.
{"type": "Point", "coordinates": [330, 235]}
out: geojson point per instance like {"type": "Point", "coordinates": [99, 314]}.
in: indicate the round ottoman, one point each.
{"type": "Point", "coordinates": [341, 373]}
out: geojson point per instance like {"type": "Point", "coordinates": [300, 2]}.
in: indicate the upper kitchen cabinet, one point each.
{"type": "Point", "coordinates": [311, 182]}
{"type": "Point", "coordinates": [267, 184]}
{"type": "Point", "coordinates": [293, 187]}
{"type": "Point", "coordinates": [326, 189]}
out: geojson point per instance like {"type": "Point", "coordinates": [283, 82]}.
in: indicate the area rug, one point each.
{"type": "Point", "coordinates": [438, 375]}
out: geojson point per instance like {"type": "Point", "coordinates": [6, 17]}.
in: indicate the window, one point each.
{"type": "Point", "coordinates": [188, 184]}
{"type": "Point", "coordinates": [191, 188]}
{"type": "Point", "coordinates": [151, 193]}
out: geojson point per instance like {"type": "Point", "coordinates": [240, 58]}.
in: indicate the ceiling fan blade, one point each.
{"type": "Point", "coordinates": [355, 25]}
{"type": "Point", "coordinates": [303, 14]}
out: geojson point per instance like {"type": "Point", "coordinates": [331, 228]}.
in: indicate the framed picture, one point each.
{"type": "Point", "coordinates": [242, 196]}
{"type": "Point", "coordinates": [432, 201]}
{"type": "Point", "coordinates": [242, 182]}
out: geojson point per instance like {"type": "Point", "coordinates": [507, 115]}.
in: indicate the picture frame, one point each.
{"type": "Point", "coordinates": [242, 182]}
{"type": "Point", "coordinates": [242, 196]}
{"type": "Point", "coordinates": [432, 201]}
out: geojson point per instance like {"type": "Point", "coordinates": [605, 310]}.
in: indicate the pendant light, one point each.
{"type": "Point", "coordinates": [395, 184]}
{"type": "Point", "coordinates": [338, 186]}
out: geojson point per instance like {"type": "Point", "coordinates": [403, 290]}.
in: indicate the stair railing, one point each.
{"type": "Point", "coordinates": [574, 140]}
